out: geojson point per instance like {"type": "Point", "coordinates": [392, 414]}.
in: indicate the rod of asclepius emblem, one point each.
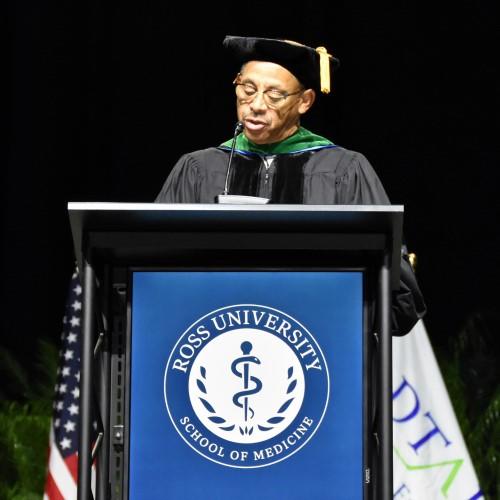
{"type": "Point", "coordinates": [246, 360]}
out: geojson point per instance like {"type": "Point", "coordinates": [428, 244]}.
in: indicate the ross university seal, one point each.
{"type": "Point", "coordinates": [246, 386]}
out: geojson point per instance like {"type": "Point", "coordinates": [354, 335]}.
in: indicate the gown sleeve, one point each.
{"type": "Point", "coordinates": [181, 185]}
{"type": "Point", "coordinates": [408, 304]}
{"type": "Point", "coordinates": [361, 184]}
{"type": "Point", "coordinates": [365, 188]}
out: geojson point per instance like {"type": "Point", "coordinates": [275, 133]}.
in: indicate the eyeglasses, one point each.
{"type": "Point", "coordinates": [246, 92]}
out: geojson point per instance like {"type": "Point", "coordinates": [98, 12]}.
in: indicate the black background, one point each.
{"type": "Point", "coordinates": [101, 100]}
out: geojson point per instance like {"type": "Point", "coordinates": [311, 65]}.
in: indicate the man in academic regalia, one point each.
{"type": "Point", "coordinates": [275, 158]}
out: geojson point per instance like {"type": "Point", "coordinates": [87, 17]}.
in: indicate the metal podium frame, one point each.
{"type": "Point", "coordinates": [119, 236]}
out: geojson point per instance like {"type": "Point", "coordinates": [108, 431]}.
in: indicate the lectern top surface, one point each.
{"type": "Point", "coordinates": [136, 230]}
{"type": "Point", "coordinates": [99, 206]}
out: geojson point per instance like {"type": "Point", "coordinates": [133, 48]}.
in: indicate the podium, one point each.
{"type": "Point", "coordinates": [236, 351]}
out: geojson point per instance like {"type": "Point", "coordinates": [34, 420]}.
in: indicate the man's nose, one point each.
{"type": "Point", "coordinates": [258, 103]}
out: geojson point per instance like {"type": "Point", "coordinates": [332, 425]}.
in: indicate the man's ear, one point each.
{"type": "Point", "coordinates": [307, 100]}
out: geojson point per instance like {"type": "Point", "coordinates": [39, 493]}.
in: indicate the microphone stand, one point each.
{"type": "Point", "coordinates": [237, 130]}
{"type": "Point", "coordinates": [225, 197]}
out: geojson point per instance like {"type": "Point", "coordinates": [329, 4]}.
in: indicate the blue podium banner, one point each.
{"type": "Point", "coordinates": [246, 385]}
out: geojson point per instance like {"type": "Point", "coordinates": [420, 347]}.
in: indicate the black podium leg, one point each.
{"type": "Point", "coordinates": [86, 376]}
{"type": "Point", "coordinates": [104, 377]}
{"type": "Point", "coordinates": [385, 385]}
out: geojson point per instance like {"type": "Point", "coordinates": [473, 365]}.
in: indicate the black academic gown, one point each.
{"type": "Point", "coordinates": [322, 176]}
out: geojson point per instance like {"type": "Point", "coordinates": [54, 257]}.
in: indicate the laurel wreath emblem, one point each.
{"type": "Point", "coordinates": [227, 426]}
{"type": "Point", "coordinates": [214, 418]}
{"type": "Point", "coordinates": [278, 418]}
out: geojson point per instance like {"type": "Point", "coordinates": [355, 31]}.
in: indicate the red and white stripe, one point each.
{"type": "Point", "coordinates": [62, 474]}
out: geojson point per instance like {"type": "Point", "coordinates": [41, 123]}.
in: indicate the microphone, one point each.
{"type": "Point", "coordinates": [235, 199]}
{"type": "Point", "coordinates": [239, 127]}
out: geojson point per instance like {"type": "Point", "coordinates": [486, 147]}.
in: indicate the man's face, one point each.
{"type": "Point", "coordinates": [269, 121]}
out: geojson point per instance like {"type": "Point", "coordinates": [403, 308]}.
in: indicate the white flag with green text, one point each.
{"type": "Point", "coordinates": [431, 460]}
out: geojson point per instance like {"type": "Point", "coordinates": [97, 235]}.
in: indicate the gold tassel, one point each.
{"type": "Point", "coordinates": [324, 69]}
{"type": "Point", "coordinates": [412, 257]}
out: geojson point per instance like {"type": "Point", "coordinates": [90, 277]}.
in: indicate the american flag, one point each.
{"type": "Point", "coordinates": [62, 471]}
